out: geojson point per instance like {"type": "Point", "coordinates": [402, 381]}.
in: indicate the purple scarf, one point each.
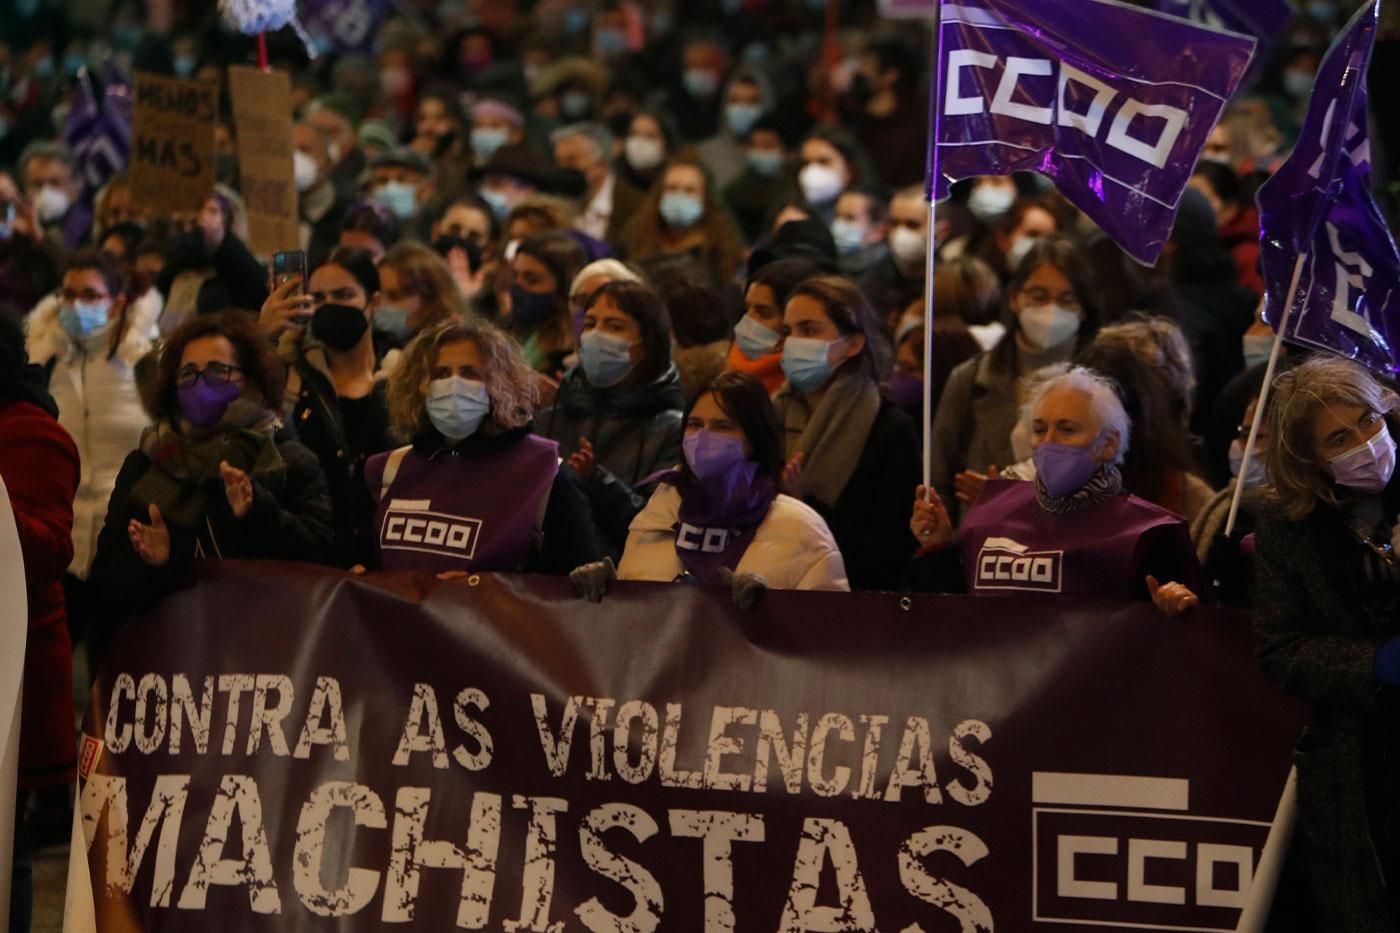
{"type": "Point", "coordinates": [718, 518]}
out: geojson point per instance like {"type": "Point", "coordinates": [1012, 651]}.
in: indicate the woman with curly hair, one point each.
{"type": "Point", "coordinates": [683, 213]}
{"type": "Point", "coordinates": [214, 476]}
{"type": "Point", "coordinates": [475, 490]}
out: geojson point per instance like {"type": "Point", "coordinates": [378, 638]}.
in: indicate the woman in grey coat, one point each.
{"type": "Point", "coordinates": [1327, 617]}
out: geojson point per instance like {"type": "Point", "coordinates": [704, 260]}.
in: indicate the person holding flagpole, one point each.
{"type": "Point", "coordinates": [1327, 626]}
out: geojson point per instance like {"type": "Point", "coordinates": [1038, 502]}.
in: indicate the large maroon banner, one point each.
{"type": "Point", "coordinates": [283, 747]}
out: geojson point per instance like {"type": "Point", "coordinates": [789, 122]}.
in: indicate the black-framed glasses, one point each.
{"type": "Point", "coordinates": [214, 374]}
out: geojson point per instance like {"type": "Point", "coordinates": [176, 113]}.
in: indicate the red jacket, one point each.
{"type": "Point", "coordinates": [39, 463]}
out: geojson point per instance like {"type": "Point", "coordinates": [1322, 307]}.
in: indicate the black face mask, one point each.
{"type": "Point", "coordinates": [339, 327]}
{"type": "Point", "coordinates": [444, 143]}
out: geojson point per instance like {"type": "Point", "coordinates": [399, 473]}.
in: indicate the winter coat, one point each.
{"type": "Point", "coordinates": [1314, 639]}
{"type": "Point", "coordinates": [99, 404]}
{"type": "Point", "coordinates": [290, 520]}
{"type": "Point", "coordinates": [791, 550]}
{"type": "Point", "coordinates": [39, 464]}
{"type": "Point", "coordinates": [972, 426]}
{"type": "Point", "coordinates": [700, 364]}
{"type": "Point", "coordinates": [635, 432]}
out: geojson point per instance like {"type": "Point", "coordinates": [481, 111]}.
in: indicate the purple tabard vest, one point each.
{"type": "Point", "coordinates": [1011, 545]}
{"type": "Point", "coordinates": [475, 512]}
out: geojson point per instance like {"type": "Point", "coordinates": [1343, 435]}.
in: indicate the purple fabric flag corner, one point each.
{"type": "Point", "coordinates": [1112, 101]}
{"type": "Point", "coordinates": [99, 133]}
{"type": "Point", "coordinates": [346, 25]}
{"type": "Point", "coordinates": [1263, 19]}
{"type": "Point", "coordinates": [1319, 206]}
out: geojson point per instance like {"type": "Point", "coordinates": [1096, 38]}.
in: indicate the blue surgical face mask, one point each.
{"type": "Point", "coordinates": [610, 42]}
{"type": "Point", "coordinates": [606, 359]}
{"type": "Point", "coordinates": [806, 362]}
{"type": "Point", "coordinates": [498, 202]}
{"type": "Point", "coordinates": [575, 104]}
{"type": "Point", "coordinates": [393, 321]}
{"type": "Point", "coordinates": [399, 197]}
{"type": "Point", "coordinates": [485, 140]}
{"type": "Point", "coordinates": [765, 162]}
{"type": "Point", "coordinates": [741, 117]}
{"type": "Point", "coordinates": [457, 406]}
{"type": "Point", "coordinates": [700, 82]}
{"type": "Point", "coordinates": [80, 319]}
{"type": "Point", "coordinates": [185, 65]}
{"type": "Point", "coordinates": [848, 234]}
{"type": "Point", "coordinates": [1254, 476]}
{"type": "Point", "coordinates": [680, 209]}
{"type": "Point", "coordinates": [753, 338]}
{"type": "Point", "coordinates": [1257, 348]}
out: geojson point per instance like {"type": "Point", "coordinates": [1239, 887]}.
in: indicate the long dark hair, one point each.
{"type": "Point", "coordinates": [1061, 253]}
{"type": "Point", "coordinates": [644, 306]}
{"type": "Point", "coordinates": [743, 398]}
{"type": "Point", "coordinates": [852, 314]}
{"type": "Point", "coordinates": [1160, 446]}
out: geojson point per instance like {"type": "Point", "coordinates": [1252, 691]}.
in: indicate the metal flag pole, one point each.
{"type": "Point", "coordinates": [930, 259]}
{"type": "Point", "coordinates": [1264, 392]}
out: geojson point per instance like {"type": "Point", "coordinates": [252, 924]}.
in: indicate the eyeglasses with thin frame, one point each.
{"type": "Point", "coordinates": [213, 374]}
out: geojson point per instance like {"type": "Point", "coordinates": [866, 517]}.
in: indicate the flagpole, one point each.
{"type": "Point", "coordinates": [1264, 392]}
{"type": "Point", "coordinates": [930, 260]}
{"type": "Point", "coordinates": [1264, 887]}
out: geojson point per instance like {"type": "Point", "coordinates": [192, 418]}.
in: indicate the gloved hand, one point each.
{"type": "Point", "coordinates": [746, 587]}
{"type": "Point", "coordinates": [1388, 663]}
{"type": "Point", "coordinates": [591, 580]}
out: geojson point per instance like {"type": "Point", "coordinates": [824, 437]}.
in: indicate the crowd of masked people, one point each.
{"type": "Point", "coordinates": [619, 295]}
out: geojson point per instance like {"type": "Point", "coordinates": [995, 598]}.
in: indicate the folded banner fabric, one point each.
{"type": "Point", "coordinates": [280, 747]}
{"type": "Point", "coordinates": [1112, 101]}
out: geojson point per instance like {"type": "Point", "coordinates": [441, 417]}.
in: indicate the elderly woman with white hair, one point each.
{"type": "Point", "coordinates": [1073, 530]}
{"type": "Point", "coordinates": [476, 490]}
{"type": "Point", "coordinates": [1327, 626]}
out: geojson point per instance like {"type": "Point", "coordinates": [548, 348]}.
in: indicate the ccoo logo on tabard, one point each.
{"type": "Point", "coordinates": [1004, 564]}
{"type": "Point", "coordinates": [410, 525]}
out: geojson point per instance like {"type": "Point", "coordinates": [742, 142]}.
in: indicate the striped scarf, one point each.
{"type": "Point", "coordinates": [1107, 481]}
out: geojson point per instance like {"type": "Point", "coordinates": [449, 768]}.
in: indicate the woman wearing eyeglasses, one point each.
{"type": "Point", "coordinates": [213, 477]}
{"type": "Point", "coordinates": [1327, 626]}
{"type": "Point", "coordinates": [1052, 313]}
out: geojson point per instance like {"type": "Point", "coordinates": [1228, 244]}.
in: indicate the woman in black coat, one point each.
{"type": "Point", "coordinates": [1327, 619]}
{"type": "Point", "coordinates": [214, 477]}
{"type": "Point", "coordinates": [853, 454]}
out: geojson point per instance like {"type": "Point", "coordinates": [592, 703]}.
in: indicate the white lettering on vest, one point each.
{"type": "Point", "coordinates": [1003, 564]}
{"type": "Point", "coordinates": [430, 533]}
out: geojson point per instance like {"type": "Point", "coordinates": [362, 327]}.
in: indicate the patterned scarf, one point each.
{"type": "Point", "coordinates": [1107, 481]}
{"type": "Point", "coordinates": [185, 467]}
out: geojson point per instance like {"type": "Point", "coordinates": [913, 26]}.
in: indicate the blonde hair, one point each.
{"type": "Point", "coordinates": [1322, 381]}
{"type": "Point", "coordinates": [424, 273]}
{"type": "Point", "coordinates": [510, 382]}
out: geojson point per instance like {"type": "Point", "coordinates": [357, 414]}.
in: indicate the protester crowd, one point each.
{"type": "Point", "coordinates": [636, 290]}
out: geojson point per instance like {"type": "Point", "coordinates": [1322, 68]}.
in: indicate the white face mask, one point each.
{"type": "Point", "coordinates": [1047, 326]}
{"type": "Point", "coordinates": [820, 185]}
{"type": "Point", "coordinates": [987, 203]}
{"type": "Point", "coordinates": [1019, 248]}
{"type": "Point", "coordinates": [643, 153]}
{"type": "Point", "coordinates": [52, 202]}
{"type": "Point", "coordinates": [304, 170]}
{"type": "Point", "coordinates": [908, 246]}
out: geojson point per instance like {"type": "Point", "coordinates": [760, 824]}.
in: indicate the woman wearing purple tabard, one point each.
{"type": "Point", "coordinates": [1072, 531]}
{"type": "Point", "coordinates": [475, 490]}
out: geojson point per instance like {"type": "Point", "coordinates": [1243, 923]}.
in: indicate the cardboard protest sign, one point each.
{"type": "Point", "coordinates": [172, 144]}
{"type": "Point", "coordinates": [262, 114]}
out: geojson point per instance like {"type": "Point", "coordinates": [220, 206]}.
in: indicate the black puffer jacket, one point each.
{"type": "Point", "coordinates": [290, 520]}
{"type": "Point", "coordinates": [635, 432]}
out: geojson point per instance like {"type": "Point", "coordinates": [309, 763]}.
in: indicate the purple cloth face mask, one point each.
{"type": "Point", "coordinates": [202, 404]}
{"type": "Point", "coordinates": [1063, 468]}
{"type": "Point", "coordinates": [710, 455]}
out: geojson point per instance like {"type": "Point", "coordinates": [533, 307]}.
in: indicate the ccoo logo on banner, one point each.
{"type": "Point", "coordinates": [279, 744]}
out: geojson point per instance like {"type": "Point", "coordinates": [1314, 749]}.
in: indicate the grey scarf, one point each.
{"type": "Point", "coordinates": [831, 438]}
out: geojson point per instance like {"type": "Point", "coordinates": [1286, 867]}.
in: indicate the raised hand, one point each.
{"type": "Point", "coordinates": [285, 309]}
{"type": "Point", "coordinates": [238, 488]}
{"type": "Point", "coordinates": [969, 485]}
{"type": "Point", "coordinates": [1171, 598]}
{"type": "Point", "coordinates": [582, 460]}
{"type": "Point", "coordinates": [930, 522]}
{"type": "Point", "coordinates": [468, 282]}
{"type": "Point", "coordinates": [151, 542]}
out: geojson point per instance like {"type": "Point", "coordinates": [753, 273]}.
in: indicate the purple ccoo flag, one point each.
{"type": "Point", "coordinates": [347, 25]}
{"type": "Point", "coordinates": [1113, 102]}
{"type": "Point", "coordinates": [99, 133]}
{"type": "Point", "coordinates": [1262, 19]}
{"type": "Point", "coordinates": [1319, 222]}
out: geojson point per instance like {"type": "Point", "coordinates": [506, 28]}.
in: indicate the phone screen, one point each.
{"type": "Point", "coordinates": [289, 264]}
